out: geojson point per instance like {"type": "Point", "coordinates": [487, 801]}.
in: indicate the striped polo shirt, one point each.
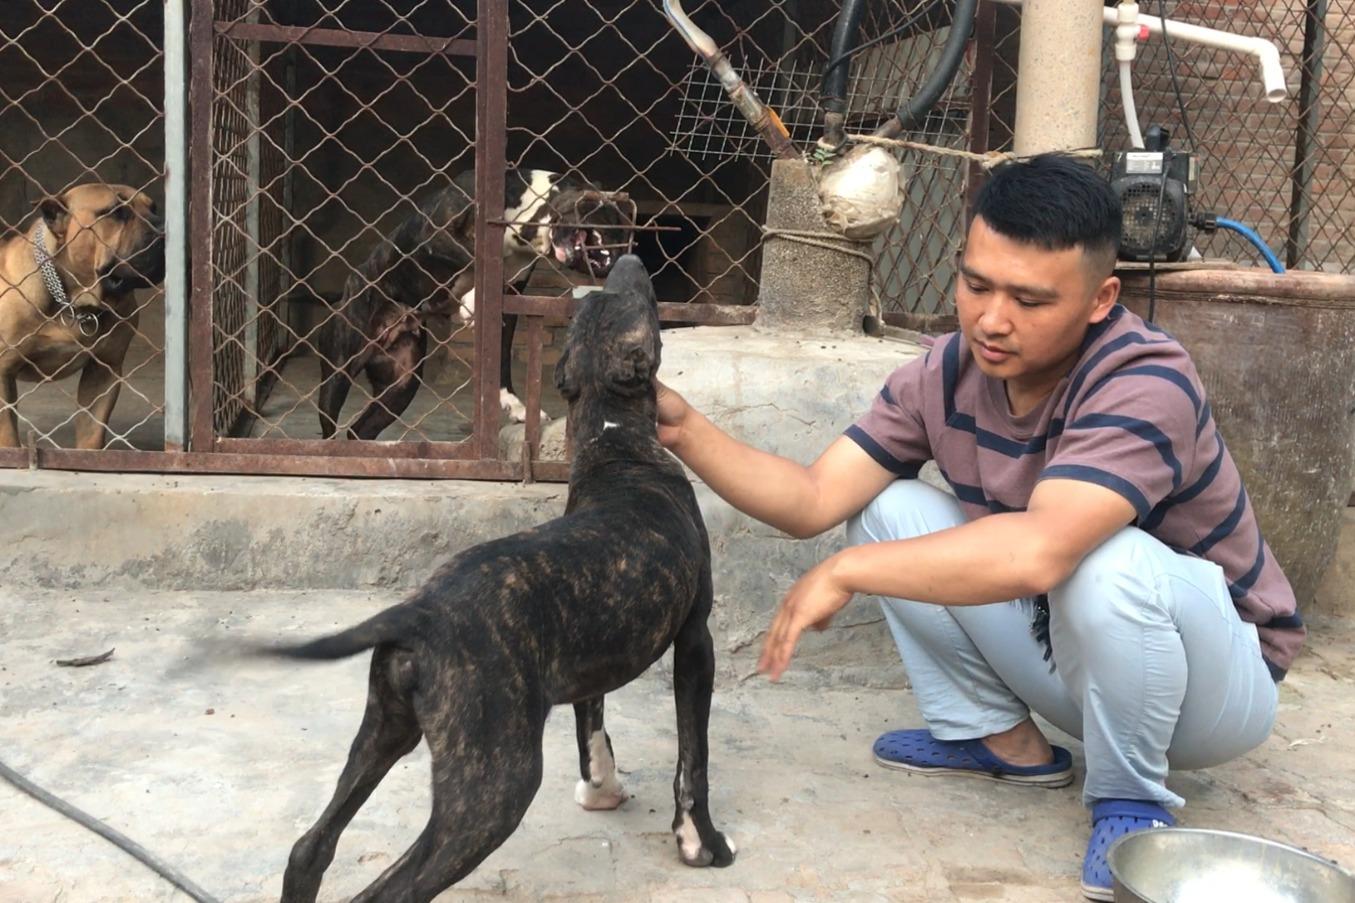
{"type": "Point", "coordinates": [1131, 415]}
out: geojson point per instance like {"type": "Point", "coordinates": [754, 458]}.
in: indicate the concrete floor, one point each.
{"type": "Point", "coordinates": [219, 769]}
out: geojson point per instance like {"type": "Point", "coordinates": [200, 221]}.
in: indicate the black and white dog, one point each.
{"type": "Point", "coordinates": [566, 612]}
{"type": "Point", "coordinates": [427, 268]}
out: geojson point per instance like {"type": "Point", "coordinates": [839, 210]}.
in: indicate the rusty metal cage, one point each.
{"type": "Point", "coordinates": [296, 156]}
{"type": "Point", "coordinates": [80, 102]}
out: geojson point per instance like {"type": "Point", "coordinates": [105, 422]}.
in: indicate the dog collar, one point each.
{"type": "Point", "coordinates": [86, 321]}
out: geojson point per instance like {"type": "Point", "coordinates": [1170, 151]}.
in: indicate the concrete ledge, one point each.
{"type": "Point", "coordinates": [243, 534]}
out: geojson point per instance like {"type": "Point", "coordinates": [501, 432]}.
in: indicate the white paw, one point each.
{"type": "Point", "coordinates": [689, 841]}
{"type": "Point", "coordinates": [608, 796]}
{"type": "Point", "coordinates": [513, 408]}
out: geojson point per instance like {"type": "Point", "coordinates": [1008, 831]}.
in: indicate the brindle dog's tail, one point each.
{"type": "Point", "coordinates": [389, 626]}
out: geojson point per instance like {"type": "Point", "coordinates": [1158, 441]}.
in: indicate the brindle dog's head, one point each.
{"type": "Point", "coordinates": [590, 229]}
{"type": "Point", "coordinates": [613, 348]}
{"type": "Point", "coordinates": [109, 233]}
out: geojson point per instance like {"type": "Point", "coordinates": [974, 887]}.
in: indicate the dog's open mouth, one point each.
{"type": "Point", "coordinates": [586, 250]}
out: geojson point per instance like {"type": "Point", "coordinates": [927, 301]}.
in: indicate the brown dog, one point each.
{"type": "Point", "coordinates": [95, 244]}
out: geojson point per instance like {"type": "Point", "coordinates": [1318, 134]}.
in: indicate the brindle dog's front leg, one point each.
{"type": "Point", "coordinates": [699, 843]}
{"type": "Point", "coordinates": [599, 787]}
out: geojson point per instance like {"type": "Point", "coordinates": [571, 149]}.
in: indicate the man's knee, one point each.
{"type": "Point", "coordinates": [906, 508]}
{"type": "Point", "coordinates": [1115, 580]}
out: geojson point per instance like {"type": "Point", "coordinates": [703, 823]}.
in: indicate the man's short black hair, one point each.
{"type": "Point", "coordinates": [1056, 202]}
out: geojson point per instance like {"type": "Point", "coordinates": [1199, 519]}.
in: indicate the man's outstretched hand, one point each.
{"type": "Point", "coordinates": [811, 603]}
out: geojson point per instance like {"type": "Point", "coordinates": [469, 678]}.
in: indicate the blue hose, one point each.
{"type": "Point", "coordinates": [1250, 235]}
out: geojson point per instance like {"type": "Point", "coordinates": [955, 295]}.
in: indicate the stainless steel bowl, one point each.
{"type": "Point", "coordinates": [1191, 865]}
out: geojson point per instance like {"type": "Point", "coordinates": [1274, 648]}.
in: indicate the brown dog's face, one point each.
{"type": "Point", "coordinates": [109, 232]}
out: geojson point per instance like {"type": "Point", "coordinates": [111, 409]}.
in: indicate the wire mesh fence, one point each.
{"type": "Point", "coordinates": [385, 188]}
{"type": "Point", "coordinates": [81, 160]}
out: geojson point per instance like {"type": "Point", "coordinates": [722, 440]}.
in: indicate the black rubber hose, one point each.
{"type": "Point", "coordinates": [833, 95]}
{"type": "Point", "coordinates": [916, 108]}
{"type": "Point", "coordinates": [112, 835]}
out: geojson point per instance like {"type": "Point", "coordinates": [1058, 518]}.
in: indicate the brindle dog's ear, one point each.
{"type": "Point", "coordinates": [632, 369]}
{"type": "Point", "coordinates": [566, 380]}
{"type": "Point", "coordinates": [56, 215]}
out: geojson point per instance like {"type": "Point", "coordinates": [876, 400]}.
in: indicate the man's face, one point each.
{"type": "Point", "coordinates": [1025, 310]}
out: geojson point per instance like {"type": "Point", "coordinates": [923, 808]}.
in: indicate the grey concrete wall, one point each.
{"type": "Point", "coordinates": [138, 532]}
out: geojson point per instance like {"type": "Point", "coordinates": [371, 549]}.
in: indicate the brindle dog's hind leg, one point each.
{"type": "Point", "coordinates": [389, 730]}
{"type": "Point", "coordinates": [486, 764]}
{"type": "Point", "coordinates": [395, 372]}
{"type": "Point", "coordinates": [699, 843]}
{"type": "Point", "coordinates": [599, 787]}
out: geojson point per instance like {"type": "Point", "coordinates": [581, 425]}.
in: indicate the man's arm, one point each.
{"type": "Point", "coordinates": [991, 559]}
{"type": "Point", "coordinates": [798, 500]}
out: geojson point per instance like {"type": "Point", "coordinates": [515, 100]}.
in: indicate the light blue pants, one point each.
{"type": "Point", "coordinates": [1153, 666]}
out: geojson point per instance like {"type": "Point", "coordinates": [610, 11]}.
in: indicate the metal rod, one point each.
{"type": "Point", "coordinates": [563, 308]}
{"type": "Point", "coordinates": [333, 37]}
{"type": "Point", "coordinates": [176, 228]}
{"type": "Point", "coordinates": [1305, 136]}
{"type": "Point", "coordinates": [200, 351]}
{"type": "Point", "coordinates": [491, 128]}
{"type": "Point", "coordinates": [346, 448]}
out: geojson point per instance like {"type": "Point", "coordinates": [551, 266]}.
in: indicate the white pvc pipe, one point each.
{"type": "Point", "coordinates": [1131, 113]}
{"type": "Point", "coordinates": [1272, 73]}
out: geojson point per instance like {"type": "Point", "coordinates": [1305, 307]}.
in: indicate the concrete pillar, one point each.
{"type": "Point", "coordinates": [806, 287]}
{"type": "Point", "coordinates": [1059, 76]}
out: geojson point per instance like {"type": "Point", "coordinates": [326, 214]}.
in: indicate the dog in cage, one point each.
{"type": "Point", "coordinates": [427, 269]}
{"type": "Point", "coordinates": [67, 303]}
{"type": "Point", "coordinates": [563, 613]}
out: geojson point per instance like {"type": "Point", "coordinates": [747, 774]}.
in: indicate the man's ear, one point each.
{"type": "Point", "coordinates": [56, 215]}
{"type": "Point", "coordinates": [566, 379]}
{"type": "Point", "coordinates": [1105, 299]}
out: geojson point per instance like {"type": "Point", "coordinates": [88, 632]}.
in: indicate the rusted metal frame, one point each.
{"type": "Point", "coordinates": [200, 314]}
{"type": "Point", "coordinates": [980, 98]}
{"type": "Point", "coordinates": [531, 434]}
{"type": "Point", "coordinates": [563, 308]}
{"type": "Point", "coordinates": [1306, 139]}
{"type": "Point", "coordinates": [333, 37]}
{"type": "Point", "coordinates": [491, 137]}
{"type": "Point", "coordinates": [340, 448]}
{"type": "Point", "coordinates": [119, 460]}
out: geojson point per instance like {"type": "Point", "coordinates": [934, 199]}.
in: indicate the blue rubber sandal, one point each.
{"type": "Point", "coordinates": [917, 751]}
{"type": "Point", "coordinates": [1111, 820]}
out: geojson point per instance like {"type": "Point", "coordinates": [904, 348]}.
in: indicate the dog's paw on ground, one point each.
{"type": "Point", "coordinates": [717, 850]}
{"type": "Point", "coordinates": [514, 409]}
{"type": "Point", "coordinates": [607, 795]}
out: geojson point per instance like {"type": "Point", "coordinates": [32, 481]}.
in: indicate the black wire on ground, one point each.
{"type": "Point", "coordinates": [118, 839]}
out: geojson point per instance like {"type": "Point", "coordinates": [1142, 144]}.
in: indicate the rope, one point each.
{"type": "Point", "coordinates": [831, 241]}
{"type": "Point", "coordinates": [987, 159]}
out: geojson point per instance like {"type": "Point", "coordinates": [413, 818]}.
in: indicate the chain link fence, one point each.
{"type": "Point", "coordinates": [349, 157]}
{"type": "Point", "coordinates": [81, 350]}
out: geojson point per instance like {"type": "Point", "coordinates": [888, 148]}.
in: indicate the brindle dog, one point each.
{"type": "Point", "coordinates": [562, 613]}
{"type": "Point", "coordinates": [66, 301]}
{"type": "Point", "coordinates": [428, 269]}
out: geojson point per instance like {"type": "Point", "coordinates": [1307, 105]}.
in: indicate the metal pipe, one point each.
{"type": "Point", "coordinates": [1266, 53]}
{"type": "Point", "coordinates": [1058, 83]}
{"type": "Point", "coordinates": [176, 229]}
{"type": "Point", "coordinates": [1310, 115]}
{"type": "Point", "coordinates": [762, 117]}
